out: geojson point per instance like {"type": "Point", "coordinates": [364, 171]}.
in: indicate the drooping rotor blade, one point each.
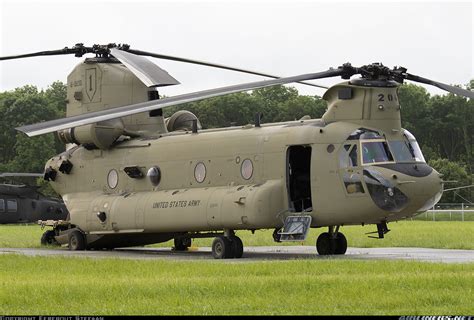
{"type": "Point", "coordinates": [446, 87]}
{"type": "Point", "coordinates": [36, 54]}
{"type": "Point", "coordinates": [15, 174]}
{"type": "Point", "coordinates": [93, 117]}
{"type": "Point", "coordinates": [78, 50]}
{"type": "Point", "coordinates": [148, 72]}
{"type": "Point", "coordinates": [214, 65]}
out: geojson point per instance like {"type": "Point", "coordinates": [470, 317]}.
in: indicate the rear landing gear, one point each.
{"type": "Point", "coordinates": [47, 239]}
{"type": "Point", "coordinates": [77, 241]}
{"type": "Point", "coordinates": [332, 242]}
{"type": "Point", "coordinates": [227, 247]}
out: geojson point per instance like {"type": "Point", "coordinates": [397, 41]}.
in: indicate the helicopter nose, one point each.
{"type": "Point", "coordinates": [424, 192]}
{"type": "Point", "coordinates": [405, 188]}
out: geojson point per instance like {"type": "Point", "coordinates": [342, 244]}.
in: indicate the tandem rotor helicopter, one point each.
{"type": "Point", "coordinates": [131, 177]}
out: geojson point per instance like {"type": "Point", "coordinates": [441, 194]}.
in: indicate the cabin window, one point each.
{"type": "Point", "coordinates": [2, 205]}
{"type": "Point", "coordinates": [12, 206]}
{"type": "Point", "coordinates": [200, 172]}
{"type": "Point", "coordinates": [112, 179]}
{"type": "Point", "coordinates": [246, 169]}
{"type": "Point", "coordinates": [154, 174]}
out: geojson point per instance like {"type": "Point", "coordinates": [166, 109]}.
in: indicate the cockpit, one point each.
{"type": "Point", "coordinates": [375, 149]}
{"type": "Point", "coordinates": [362, 156]}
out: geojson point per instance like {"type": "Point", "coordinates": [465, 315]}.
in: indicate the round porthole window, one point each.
{"type": "Point", "coordinates": [154, 175]}
{"type": "Point", "coordinates": [246, 169]}
{"type": "Point", "coordinates": [200, 172]}
{"type": "Point", "coordinates": [112, 178]}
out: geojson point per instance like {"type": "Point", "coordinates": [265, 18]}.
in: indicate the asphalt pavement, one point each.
{"type": "Point", "coordinates": [253, 254]}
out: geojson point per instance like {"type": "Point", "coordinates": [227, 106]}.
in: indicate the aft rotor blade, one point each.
{"type": "Point", "coordinates": [443, 86]}
{"type": "Point", "coordinates": [93, 117]}
{"type": "Point", "coordinates": [148, 72]}
{"type": "Point", "coordinates": [214, 65]}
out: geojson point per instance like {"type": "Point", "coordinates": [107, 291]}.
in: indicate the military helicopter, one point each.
{"type": "Point", "coordinates": [131, 177]}
{"type": "Point", "coordinates": [23, 203]}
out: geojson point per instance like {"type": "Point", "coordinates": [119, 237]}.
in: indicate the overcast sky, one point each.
{"type": "Point", "coordinates": [431, 39]}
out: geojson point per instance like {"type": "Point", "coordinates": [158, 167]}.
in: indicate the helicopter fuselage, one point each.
{"type": "Point", "coordinates": [238, 178]}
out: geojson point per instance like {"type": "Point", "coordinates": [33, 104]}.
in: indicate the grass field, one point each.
{"type": "Point", "coordinates": [71, 286]}
{"type": "Point", "coordinates": [426, 234]}
{"type": "Point", "coordinates": [68, 286]}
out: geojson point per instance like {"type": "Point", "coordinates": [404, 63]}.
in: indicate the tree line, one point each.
{"type": "Point", "coordinates": [443, 125]}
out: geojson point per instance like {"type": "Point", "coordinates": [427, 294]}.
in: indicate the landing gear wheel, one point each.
{"type": "Point", "coordinates": [77, 241]}
{"type": "Point", "coordinates": [341, 244]}
{"type": "Point", "coordinates": [276, 236]}
{"type": "Point", "coordinates": [182, 244]}
{"type": "Point", "coordinates": [325, 245]}
{"type": "Point", "coordinates": [237, 247]}
{"type": "Point", "coordinates": [221, 248]}
{"type": "Point", "coordinates": [47, 239]}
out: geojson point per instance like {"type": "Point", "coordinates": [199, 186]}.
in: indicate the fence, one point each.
{"type": "Point", "coordinates": [448, 212]}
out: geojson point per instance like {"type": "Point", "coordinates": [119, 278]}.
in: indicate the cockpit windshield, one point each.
{"type": "Point", "coordinates": [376, 151]}
{"type": "Point", "coordinates": [373, 148]}
{"type": "Point", "coordinates": [407, 150]}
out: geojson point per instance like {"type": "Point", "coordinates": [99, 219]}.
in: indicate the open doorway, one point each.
{"type": "Point", "coordinates": [299, 178]}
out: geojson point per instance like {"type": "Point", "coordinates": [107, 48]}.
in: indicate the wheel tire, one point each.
{"type": "Point", "coordinates": [77, 241]}
{"type": "Point", "coordinates": [325, 245]}
{"type": "Point", "coordinates": [182, 244]}
{"type": "Point", "coordinates": [221, 248]}
{"type": "Point", "coordinates": [341, 244]}
{"type": "Point", "coordinates": [237, 247]}
{"type": "Point", "coordinates": [47, 239]}
{"type": "Point", "coordinates": [276, 236]}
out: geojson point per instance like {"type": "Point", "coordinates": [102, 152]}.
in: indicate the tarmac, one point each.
{"type": "Point", "coordinates": [254, 254]}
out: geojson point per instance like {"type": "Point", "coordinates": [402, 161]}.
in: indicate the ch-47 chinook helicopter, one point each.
{"type": "Point", "coordinates": [23, 203]}
{"type": "Point", "coordinates": [132, 177]}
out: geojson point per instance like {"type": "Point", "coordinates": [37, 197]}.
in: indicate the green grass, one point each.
{"type": "Point", "coordinates": [445, 216]}
{"type": "Point", "coordinates": [426, 234]}
{"type": "Point", "coordinates": [45, 285]}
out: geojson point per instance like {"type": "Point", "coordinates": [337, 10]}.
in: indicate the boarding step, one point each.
{"type": "Point", "coordinates": [295, 228]}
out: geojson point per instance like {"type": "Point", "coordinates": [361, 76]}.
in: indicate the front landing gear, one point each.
{"type": "Point", "coordinates": [227, 247]}
{"type": "Point", "coordinates": [332, 242]}
{"type": "Point", "coordinates": [182, 243]}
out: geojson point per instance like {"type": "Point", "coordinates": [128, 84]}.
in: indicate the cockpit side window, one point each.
{"type": "Point", "coordinates": [353, 156]}
{"type": "Point", "coordinates": [348, 156]}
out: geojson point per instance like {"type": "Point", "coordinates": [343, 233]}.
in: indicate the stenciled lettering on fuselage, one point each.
{"type": "Point", "coordinates": [176, 204]}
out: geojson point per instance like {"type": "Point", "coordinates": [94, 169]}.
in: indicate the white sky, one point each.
{"type": "Point", "coordinates": [430, 39]}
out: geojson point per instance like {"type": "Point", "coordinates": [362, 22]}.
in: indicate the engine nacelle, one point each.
{"type": "Point", "coordinates": [99, 135]}
{"type": "Point", "coordinates": [181, 120]}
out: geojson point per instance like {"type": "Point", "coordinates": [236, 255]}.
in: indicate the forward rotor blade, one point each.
{"type": "Point", "coordinates": [209, 64]}
{"type": "Point", "coordinates": [40, 53]}
{"type": "Point", "coordinates": [93, 117]}
{"type": "Point", "coordinates": [446, 87]}
{"type": "Point", "coordinates": [148, 72]}
{"type": "Point", "coordinates": [15, 174]}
